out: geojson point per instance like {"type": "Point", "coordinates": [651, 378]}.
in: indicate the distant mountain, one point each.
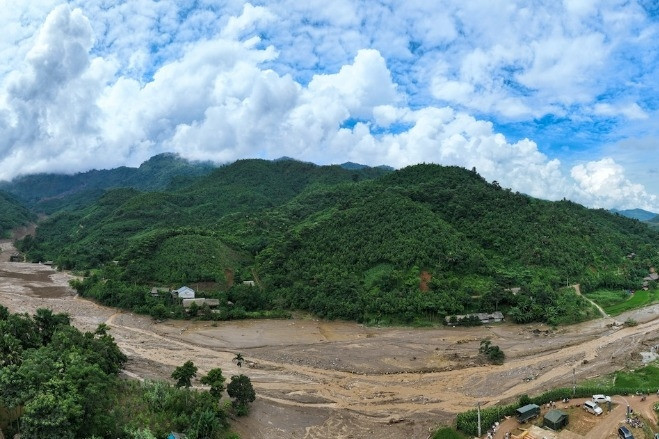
{"type": "Point", "coordinates": [353, 165]}
{"type": "Point", "coordinates": [639, 214]}
{"type": "Point", "coordinates": [51, 192]}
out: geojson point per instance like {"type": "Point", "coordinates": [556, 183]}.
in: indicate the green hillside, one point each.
{"type": "Point", "coordinates": [639, 214]}
{"type": "Point", "coordinates": [12, 214]}
{"type": "Point", "coordinates": [365, 244]}
{"type": "Point", "coordinates": [653, 223]}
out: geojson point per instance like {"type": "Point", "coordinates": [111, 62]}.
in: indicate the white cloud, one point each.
{"type": "Point", "coordinates": [630, 111]}
{"type": "Point", "coordinates": [90, 85]}
{"type": "Point", "coordinates": [603, 183]}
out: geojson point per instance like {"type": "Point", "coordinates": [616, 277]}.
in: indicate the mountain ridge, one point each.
{"type": "Point", "coordinates": [351, 244]}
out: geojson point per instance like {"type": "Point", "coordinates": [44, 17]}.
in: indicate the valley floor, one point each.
{"type": "Point", "coordinates": [317, 379]}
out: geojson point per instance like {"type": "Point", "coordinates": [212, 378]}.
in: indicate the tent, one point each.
{"type": "Point", "coordinates": [555, 419]}
{"type": "Point", "coordinates": [527, 412]}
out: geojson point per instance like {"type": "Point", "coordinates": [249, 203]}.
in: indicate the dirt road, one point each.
{"type": "Point", "coordinates": [318, 379]}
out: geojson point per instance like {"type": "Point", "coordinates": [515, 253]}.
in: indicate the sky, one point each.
{"type": "Point", "coordinates": [551, 99]}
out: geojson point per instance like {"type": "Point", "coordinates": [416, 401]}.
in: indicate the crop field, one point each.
{"type": "Point", "coordinates": [618, 301]}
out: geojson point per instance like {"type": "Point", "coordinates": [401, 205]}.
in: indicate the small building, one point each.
{"type": "Point", "coordinates": [555, 419]}
{"type": "Point", "coordinates": [527, 412]}
{"type": "Point", "coordinates": [16, 257]}
{"type": "Point", "coordinates": [213, 303]}
{"type": "Point", "coordinates": [174, 435]}
{"type": "Point", "coordinates": [494, 317]}
{"type": "Point", "coordinates": [249, 283]}
{"type": "Point", "coordinates": [183, 293]}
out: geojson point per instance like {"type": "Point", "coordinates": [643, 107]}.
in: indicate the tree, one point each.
{"type": "Point", "coordinates": [159, 312]}
{"type": "Point", "coordinates": [48, 415]}
{"type": "Point", "coordinates": [215, 380]}
{"type": "Point", "coordinates": [239, 359]}
{"type": "Point", "coordinates": [47, 323]}
{"type": "Point", "coordinates": [102, 329]}
{"type": "Point", "coordinates": [184, 374]}
{"type": "Point", "coordinates": [493, 353]}
{"type": "Point", "coordinates": [241, 390]}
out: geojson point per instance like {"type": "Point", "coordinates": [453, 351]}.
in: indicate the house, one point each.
{"type": "Point", "coordinates": [494, 317]}
{"type": "Point", "coordinates": [154, 292]}
{"type": "Point", "coordinates": [555, 419]}
{"type": "Point", "coordinates": [183, 293]}
{"type": "Point", "coordinates": [201, 301]}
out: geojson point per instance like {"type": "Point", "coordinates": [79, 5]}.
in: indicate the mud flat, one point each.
{"type": "Point", "coordinates": [318, 379]}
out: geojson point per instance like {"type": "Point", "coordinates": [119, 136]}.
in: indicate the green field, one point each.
{"type": "Point", "coordinates": [448, 433]}
{"type": "Point", "coordinates": [647, 376]}
{"type": "Point", "coordinates": [644, 377]}
{"type": "Point", "coordinates": [617, 302]}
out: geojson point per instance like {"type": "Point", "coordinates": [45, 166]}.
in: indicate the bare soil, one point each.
{"type": "Point", "coordinates": [318, 379]}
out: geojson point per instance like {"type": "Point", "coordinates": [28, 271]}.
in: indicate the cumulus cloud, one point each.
{"type": "Point", "coordinates": [603, 184]}
{"type": "Point", "coordinates": [98, 86]}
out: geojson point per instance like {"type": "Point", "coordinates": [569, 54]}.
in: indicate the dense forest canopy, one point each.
{"type": "Point", "coordinates": [58, 382]}
{"type": "Point", "coordinates": [368, 244]}
{"type": "Point", "coordinates": [12, 214]}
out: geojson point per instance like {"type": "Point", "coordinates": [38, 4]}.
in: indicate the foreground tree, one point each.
{"type": "Point", "coordinates": [241, 390]}
{"type": "Point", "coordinates": [215, 380]}
{"type": "Point", "coordinates": [493, 353]}
{"type": "Point", "coordinates": [184, 374]}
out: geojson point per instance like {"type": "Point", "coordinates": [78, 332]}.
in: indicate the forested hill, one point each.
{"type": "Point", "coordinates": [51, 192]}
{"type": "Point", "coordinates": [639, 214]}
{"type": "Point", "coordinates": [366, 244]}
{"type": "Point", "coordinates": [12, 214]}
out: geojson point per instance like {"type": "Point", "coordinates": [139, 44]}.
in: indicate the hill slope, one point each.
{"type": "Point", "coordinates": [639, 214]}
{"type": "Point", "coordinates": [12, 214]}
{"type": "Point", "coordinates": [52, 192]}
{"type": "Point", "coordinates": [364, 244]}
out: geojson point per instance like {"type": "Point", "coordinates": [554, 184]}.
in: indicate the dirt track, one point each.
{"type": "Point", "coordinates": [319, 379]}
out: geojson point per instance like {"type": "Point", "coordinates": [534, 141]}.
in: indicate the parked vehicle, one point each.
{"type": "Point", "coordinates": [592, 407]}
{"type": "Point", "coordinates": [601, 398]}
{"type": "Point", "coordinates": [624, 433]}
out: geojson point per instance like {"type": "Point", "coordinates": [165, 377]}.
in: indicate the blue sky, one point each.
{"type": "Point", "coordinates": [553, 99]}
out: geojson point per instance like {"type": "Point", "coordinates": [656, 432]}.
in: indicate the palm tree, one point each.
{"type": "Point", "coordinates": [239, 359]}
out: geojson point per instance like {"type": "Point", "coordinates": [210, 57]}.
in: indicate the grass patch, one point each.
{"type": "Point", "coordinates": [644, 377]}
{"type": "Point", "coordinates": [647, 376]}
{"type": "Point", "coordinates": [448, 433]}
{"type": "Point", "coordinates": [617, 302]}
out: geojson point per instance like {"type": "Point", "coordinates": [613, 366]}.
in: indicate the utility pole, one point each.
{"type": "Point", "coordinates": [574, 383]}
{"type": "Point", "coordinates": [479, 419]}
